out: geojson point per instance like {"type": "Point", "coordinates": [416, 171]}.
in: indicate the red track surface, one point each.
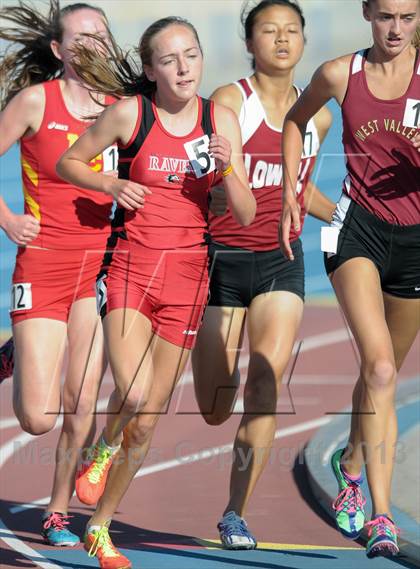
{"type": "Point", "coordinates": [187, 499]}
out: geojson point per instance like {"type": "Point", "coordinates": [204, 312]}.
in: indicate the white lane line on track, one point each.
{"type": "Point", "coordinates": [342, 437]}
{"type": "Point", "coordinates": [30, 505]}
{"type": "Point", "coordinates": [18, 545]}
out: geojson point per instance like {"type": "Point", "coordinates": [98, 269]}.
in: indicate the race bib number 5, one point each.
{"type": "Point", "coordinates": [21, 297]}
{"type": "Point", "coordinates": [198, 153]}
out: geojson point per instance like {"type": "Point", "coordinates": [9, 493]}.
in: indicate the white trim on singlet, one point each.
{"type": "Point", "coordinates": [339, 215]}
{"type": "Point", "coordinates": [340, 211]}
{"type": "Point", "coordinates": [248, 80]}
{"type": "Point", "coordinates": [357, 62]}
{"type": "Point", "coordinates": [252, 115]}
{"type": "Point", "coordinates": [241, 89]}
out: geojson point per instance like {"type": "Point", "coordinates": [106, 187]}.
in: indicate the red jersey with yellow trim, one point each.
{"type": "Point", "coordinates": [179, 172]}
{"type": "Point", "coordinates": [262, 156]}
{"type": "Point", "coordinates": [382, 164]}
{"type": "Point", "coordinates": [70, 217]}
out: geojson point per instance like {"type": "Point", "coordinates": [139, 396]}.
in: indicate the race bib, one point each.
{"type": "Point", "coordinates": [110, 158]}
{"type": "Point", "coordinates": [198, 153]}
{"type": "Point", "coordinates": [412, 113]}
{"type": "Point", "coordinates": [329, 239]}
{"type": "Point", "coordinates": [21, 297]}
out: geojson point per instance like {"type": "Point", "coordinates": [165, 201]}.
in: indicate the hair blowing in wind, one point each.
{"type": "Point", "coordinates": [27, 59]}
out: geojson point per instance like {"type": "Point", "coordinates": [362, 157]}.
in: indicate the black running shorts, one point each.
{"type": "Point", "coordinates": [237, 275]}
{"type": "Point", "coordinates": [394, 249]}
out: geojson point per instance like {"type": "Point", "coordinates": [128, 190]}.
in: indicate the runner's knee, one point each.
{"type": "Point", "coordinates": [139, 430]}
{"type": "Point", "coordinates": [37, 424]}
{"type": "Point", "coordinates": [260, 394]}
{"type": "Point", "coordinates": [380, 374]}
{"type": "Point", "coordinates": [80, 404]}
{"type": "Point", "coordinates": [217, 418]}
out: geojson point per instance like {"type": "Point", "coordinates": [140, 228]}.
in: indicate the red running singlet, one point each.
{"type": "Point", "coordinates": [261, 147]}
{"type": "Point", "coordinates": [178, 171]}
{"type": "Point", "coordinates": [157, 263]}
{"type": "Point", "coordinates": [70, 217]}
{"type": "Point", "coordinates": [382, 164]}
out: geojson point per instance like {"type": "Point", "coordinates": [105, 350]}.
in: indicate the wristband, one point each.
{"type": "Point", "coordinates": [228, 171]}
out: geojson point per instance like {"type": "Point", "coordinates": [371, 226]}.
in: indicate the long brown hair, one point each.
{"type": "Point", "coordinates": [119, 73]}
{"type": "Point", "coordinates": [28, 59]}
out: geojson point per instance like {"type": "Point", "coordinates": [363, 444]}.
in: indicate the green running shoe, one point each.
{"type": "Point", "coordinates": [348, 506]}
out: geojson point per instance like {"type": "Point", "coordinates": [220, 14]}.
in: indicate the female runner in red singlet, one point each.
{"type": "Point", "coordinates": [61, 239]}
{"type": "Point", "coordinates": [172, 143]}
{"type": "Point", "coordinates": [372, 247]}
{"type": "Point", "coordinates": [250, 279]}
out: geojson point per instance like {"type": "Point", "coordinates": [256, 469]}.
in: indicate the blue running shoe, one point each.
{"type": "Point", "coordinates": [234, 533]}
{"type": "Point", "coordinates": [54, 530]}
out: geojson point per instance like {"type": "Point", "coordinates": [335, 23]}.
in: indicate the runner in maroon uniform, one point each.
{"type": "Point", "coordinates": [250, 279]}
{"type": "Point", "coordinates": [372, 247]}
{"type": "Point", "coordinates": [60, 238]}
{"type": "Point", "coordinates": [171, 142]}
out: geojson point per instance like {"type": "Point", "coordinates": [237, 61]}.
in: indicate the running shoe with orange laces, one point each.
{"type": "Point", "coordinates": [98, 544]}
{"type": "Point", "coordinates": [91, 479]}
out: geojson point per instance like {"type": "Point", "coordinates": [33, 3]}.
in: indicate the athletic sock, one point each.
{"type": "Point", "coordinates": [351, 478]}
{"type": "Point", "coordinates": [102, 442]}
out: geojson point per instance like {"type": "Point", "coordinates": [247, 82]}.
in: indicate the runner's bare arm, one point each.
{"type": "Point", "coordinates": [229, 96]}
{"type": "Point", "coordinates": [316, 203]}
{"type": "Point", "coordinates": [329, 81]}
{"type": "Point", "coordinates": [23, 115]}
{"type": "Point", "coordinates": [116, 123]}
{"type": "Point", "coordinates": [226, 147]}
